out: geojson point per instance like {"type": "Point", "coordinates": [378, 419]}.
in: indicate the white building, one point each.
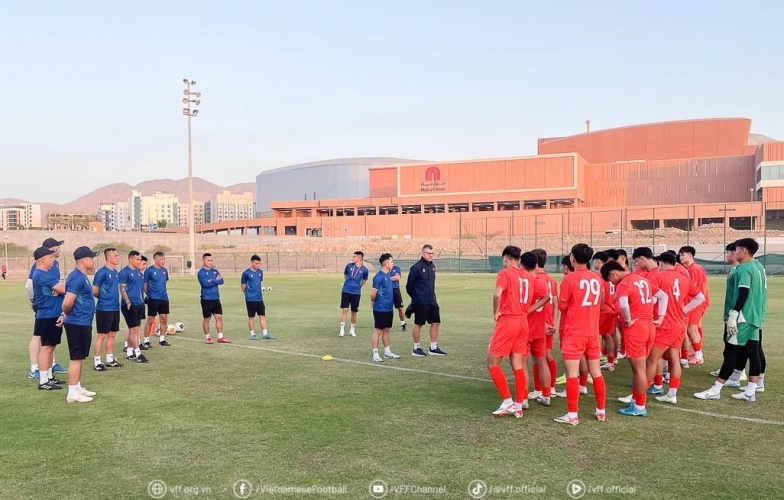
{"type": "Point", "coordinates": [108, 216]}
{"type": "Point", "coordinates": [198, 213]}
{"type": "Point", "coordinates": [160, 207]}
{"type": "Point", "coordinates": [32, 215]}
{"type": "Point", "coordinates": [228, 206]}
{"type": "Point", "coordinates": [135, 212]}
{"type": "Point", "coordinates": [11, 217]}
{"type": "Point", "coordinates": [122, 217]}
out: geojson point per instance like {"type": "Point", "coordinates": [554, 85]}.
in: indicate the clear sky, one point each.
{"type": "Point", "coordinates": [90, 92]}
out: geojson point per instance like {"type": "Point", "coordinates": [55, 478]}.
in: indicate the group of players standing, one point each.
{"type": "Point", "coordinates": [657, 308]}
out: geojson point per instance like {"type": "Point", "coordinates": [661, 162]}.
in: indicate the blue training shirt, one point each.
{"type": "Point", "coordinates": [156, 278]}
{"type": "Point", "coordinates": [55, 265]}
{"type": "Point", "coordinates": [108, 282]}
{"type": "Point", "coordinates": [49, 306]}
{"type": "Point", "coordinates": [252, 281]}
{"type": "Point", "coordinates": [83, 310]}
{"type": "Point", "coordinates": [210, 280]}
{"type": "Point", "coordinates": [133, 279]}
{"type": "Point", "coordinates": [396, 271]}
{"type": "Point", "coordinates": [383, 284]}
{"type": "Point", "coordinates": [354, 277]}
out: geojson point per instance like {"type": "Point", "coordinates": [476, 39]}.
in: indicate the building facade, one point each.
{"type": "Point", "coordinates": [227, 207]}
{"type": "Point", "coordinates": [161, 209]}
{"type": "Point", "coordinates": [20, 216]}
{"type": "Point", "coordinates": [185, 213]}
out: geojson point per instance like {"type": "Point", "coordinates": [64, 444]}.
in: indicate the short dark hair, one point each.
{"type": "Point", "coordinates": [602, 256]}
{"type": "Point", "coordinates": [612, 253]}
{"type": "Point", "coordinates": [642, 252]}
{"type": "Point", "coordinates": [107, 251]}
{"type": "Point", "coordinates": [208, 254]}
{"type": "Point", "coordinates": [688, 249]}
{"type": "Point", "coordinates": [565, 261]}
{"type": "Point", "coordinates": [731, 247]}
{"type": "Point", "coordinates": [360, 253]}
{"type": "Point", "coordinates": [427, 246]}
{"type": "Point", "coordinates": [582, 253]}
{"type": "Point", "coordinates": [158, 254]}
{"type": "Point", "coordinates": [529, 261]}
{"type": "Point", "coordinates": [622, 252]}
{"type": "Point", "coordinates": [667, 258]}
{"type": "Point", "coordinates": [384, 257]}
{"type": "Point", "coordinates": [610, 267]}
{"type": "Point", "coordinates": [255, 258]}
{"type": "Point", "coordinates": [133, 253]}
{"type": "Point", "coordinates": [749, 244]}
{"type": "Point", "coordinates": [144, 259]}
{"type": "Point", "coordinates": [511, 251]}
{"type": "Point", "coordinates": [541, 256]}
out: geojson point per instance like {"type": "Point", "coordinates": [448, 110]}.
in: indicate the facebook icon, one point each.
{"type": "Point", "coordinates": [242, 489]}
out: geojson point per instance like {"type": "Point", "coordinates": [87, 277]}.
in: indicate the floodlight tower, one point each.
{"type": "Point", "coordinates": [191, 112]}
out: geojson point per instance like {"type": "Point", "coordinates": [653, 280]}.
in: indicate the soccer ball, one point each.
{"type": "Point", "coordinates": [179, 326]}
{"type": "Point", "coordinates": [269, 288]}
{"type": "Point", "coordinates": [171, 330]}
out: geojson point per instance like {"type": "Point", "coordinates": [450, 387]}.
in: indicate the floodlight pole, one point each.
{"type": "Point", "coordinates": [191, 208]}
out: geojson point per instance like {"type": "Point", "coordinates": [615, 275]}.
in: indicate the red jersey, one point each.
{"type": "Point", "coordinates": [608, 306]}
{"type": "Point", "coordinates": [679, 292]}
{"type": "Point", "coordinates": [640, 272]}
{"type": "Point", "coordinates": [640, 294]}
{"type": "Point", "coordinates": [580, 300]}
{"type": "Point", "coordinates": [699, 279]}
{"type": "Point", "coordinates": [519, 291]}
{"type": "Point", "coordinates": [540, 318]}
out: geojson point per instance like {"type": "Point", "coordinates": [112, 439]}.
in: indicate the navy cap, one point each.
{"type": "Point", "coordinates": [51, 243]}
{"type": "Point", "coordinates": [42, 252]}
{"type": "Point", "coordinates": [84, 252]}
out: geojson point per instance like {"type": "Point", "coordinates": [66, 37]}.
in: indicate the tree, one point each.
{"type": "Point", "coordinates": [162, 224]}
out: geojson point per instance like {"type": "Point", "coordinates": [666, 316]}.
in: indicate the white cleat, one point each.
{"type": "Point", "coordinates": [342, 333]}
{"type": "Point", "coordinates": [391, 355]}
{"type": "Point", "coordinates": [352, 333]}
{"type": "Point", "coordinates": [534, 394]}
{"type": "Point", "coordinates": [667, 399]}
{"type": "Point", "coordinates": [556, 394]}
{"type": "Point", "coordinates": [732, 383]}
{"type": "Point", "coordinates": [743, 397]}
{"type": "Point", "coordinates": [626, 399]}
{"type": "Point", "coordinates": [505, 409]}
{"type": "Point", "coordinates": [81, 398]}
{"type": "Point", "coordinates": [707, 395]}
{"type": "Point", "coordinates": [87, 393]}
{"type": "Point", "coordinates": [583, 391]}
{"type": "Point", "coordinates": [377, 358]}
{"type": "Point", "coordinates": [760, 388]}
{"type": "Point", "coordinates": [564, 419]}
{"type": "Point", "coordinates": [684, 363]}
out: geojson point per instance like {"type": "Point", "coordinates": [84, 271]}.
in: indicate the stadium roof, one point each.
{"type": "Point", "coordinates": [375, 161]}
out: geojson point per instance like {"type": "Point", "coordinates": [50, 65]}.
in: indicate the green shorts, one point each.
{"type": "Point", "coordinates": [746, 332]}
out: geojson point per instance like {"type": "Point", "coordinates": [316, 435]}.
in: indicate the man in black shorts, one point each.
{"type": "Point", "coordinates": [107, 311]}
{"type": "Point", "coordinates": [132, 293]}
{"type": "Point", "coordinates": [209, 280]}
{"type": "Point", "coordinates": [48, 302]}
{"type": "Point", "coordinates": [155, 279]}
{"type": "Point", "coordinates": [421, 287]}
{"type": "Point", "coordinates": [355, 275]}
{"type": "Point", "coordinates": [79, 311]}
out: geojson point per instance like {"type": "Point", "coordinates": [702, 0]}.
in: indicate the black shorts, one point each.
{"type": "Point", "coordinates": [350, 299]}
{"type": "Point", "coordinates": [397, 298]}
{"type": "Point", "coordinates": [426, 313]}
{"type": "Point", "coordinates": [210, 308]}
{"type": "Point", "coordinates": [256, 307]}
{"type": "Point", "coordinates": [47, 329]}
{"type": "Point", "coordinates": [107, 321]}
{"type": "Point", "coordinates": [156, 307]}
{"type": "Point", "coordinates": [79, 340]}
{"type": "Point", "coordinates": [382, 320]}
{"type": "Point", "coordinates": [133, 316]}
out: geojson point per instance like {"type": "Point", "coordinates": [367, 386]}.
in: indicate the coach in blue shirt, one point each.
{"type": "Point", "coordinates": [48, 294]}
{"type": "Point", "coordinates": [250, 284]}
{"type": "Point", "coordinates": [209, 280]}
{"type": "Point", "coordinates": [355, 275]}
{"type": "Point", "coordinates": [155, 278]}
{"type": "Point", "coordinates": [106, 288]}
{"type": "Point", "coordinates": [382, 298]}
{"type": "Point", "coordinates": [421, 287]}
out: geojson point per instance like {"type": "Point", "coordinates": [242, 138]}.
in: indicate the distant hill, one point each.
{"type": "Point", "coordinates": [202, 190]}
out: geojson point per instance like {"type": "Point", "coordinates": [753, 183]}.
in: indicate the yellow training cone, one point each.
{"type": "Point", "coordinates": [327, 358]}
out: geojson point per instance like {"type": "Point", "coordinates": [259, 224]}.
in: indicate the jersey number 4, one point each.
{"type": "Point", "coordinates": [592, 292]}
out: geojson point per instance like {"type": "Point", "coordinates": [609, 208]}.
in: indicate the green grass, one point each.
{"type": "Point", "coordinates": [208, 416]}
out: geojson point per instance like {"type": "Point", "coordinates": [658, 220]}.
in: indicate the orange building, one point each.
{"type": "Point", "coordinates": [646, 169]}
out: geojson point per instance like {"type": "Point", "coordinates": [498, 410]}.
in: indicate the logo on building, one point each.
{"type": "Point", "coordinates": [432, 182]}
{"type": "Point", "coordinates": [433, 174]}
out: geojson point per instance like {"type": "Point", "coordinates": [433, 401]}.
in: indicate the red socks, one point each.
{"type": "Point", "coordinates": [600, 391]}
{"type": "Point", "coordinates": [553, 371]}
{"type": "Point", "coordinates": [657, 380]}
{"type": "Point", "coordinates": [537, 382]}
{"type": "Point", "coordinates": [639, 399]}
{"type": "Point", "coordinates": [546, 391]}
{"type": "Point", "coordinates": [697, 346]}
{"type": "Point", "coordinates": [572, 394]}
{"type": "Point", "coordinates": [521, 386]}
{"type": "Point", "coordinates": [675, 382]}
{"type": "Point", "coordinates": [610, 359]}
{"type": "Point", "coordinates": [684, 354]}
{"type": "Point", "coordinates": [499, 379]}
{"type": "Point", "coordinates": [583, 380]}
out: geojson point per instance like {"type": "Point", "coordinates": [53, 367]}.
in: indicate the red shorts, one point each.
{"type": "Point", "coordinates": [607, 323]}
{"type": "Point", "coordinates": [509, 336]}
{"type": "Point", "coordinates": [574, 346]}
{"type": "Point", "coordinates": [669, 338]}
{"type": "Point", "coordinates": [639, 339]}
{"type": "Point", "coordinates": [537, 347]}
{"type": "Point", "coordinates": [695, 317]}
{"type": "Point", "coordinates": [549, 341]}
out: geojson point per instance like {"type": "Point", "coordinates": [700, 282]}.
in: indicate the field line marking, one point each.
{"type": "Point", "coordinates": [466, 377]}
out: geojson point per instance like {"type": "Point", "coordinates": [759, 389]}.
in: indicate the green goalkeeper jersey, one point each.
{"type": "Point", "coordinates": [731, 294]}
{"type": "Point", "coordinates": [751, 275]}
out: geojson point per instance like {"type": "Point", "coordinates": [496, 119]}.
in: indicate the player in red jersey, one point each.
{"type": "Point", "coordinates": [580, 300]}
{"type": "Point", "coordinates": [699, 278]}
{"type": "Point", "coordinates": [619, 256]}
{"type": "Point", "coordinates": [516, 294]}
{"type": "Point", "coordinates": [635, 303]}
{"type": "Point", "coordinates": [538, 326]}
{"type": "Point", "coordinates": [566, 268]}
{"type": "Point", "coordinates": [682, 298]}
{"type": "Point", "coordinates": [549, 320]}
{"type": "Point", "coordinates": [607, 317]}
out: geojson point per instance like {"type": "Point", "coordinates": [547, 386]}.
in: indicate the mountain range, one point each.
{"type": "Point", "coordinates": [202, 191]}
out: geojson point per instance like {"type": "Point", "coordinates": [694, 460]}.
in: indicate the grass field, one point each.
{"type": "Point", "coordinates": [200, 418]}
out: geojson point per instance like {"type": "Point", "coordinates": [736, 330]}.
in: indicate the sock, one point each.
{"type": "Point", "coordinates": [639, 399]}
{"type": "Point", "coordinates": [697, 349]}
{"type": "Point", "coordinates": [583, 380]}
{"type": "Point", "coordinates": [684, 354]}
{"type": "Point", "coordinates": [553, 372]}
{"type": "Point", "coordinates": [375, 352]}
{"type": "Point", "coordinates": [109, 357]}
{"type": "Point", "coordinates": [572, 396]}
{"type": "Point", "coordinates": [253, 332]}
{"type": "Point", "coordinates": [79, 386]}
{"type": "Point", "coordinates": [657, 381]}
{"type": "Point", "coordinates": [761, 381]}
{"type": "Point", "coordinates": [387, 350]}
{"type": "Point", "coordinates": [416, 345]}
{"type": "Point", "coordinates": [220, 335]}
{"type": "Point", "coordinates": [353, 325]}
{"type": "Point", "coordinates": [264, 332]}
{"type": "Point", "coordinates": [44, 376]}
{"type": "Point", "coordinates": [207, 336]}
{"type": "Point", "coordinates": [33, 368]}
{"type": "Point", "coordinates": [342, 325]}
{"type": "Point", "coordinates": [125, 345]}
{"type": "Point", "coordinates": [611, 359]}
{"type": "Point", "coordinates": [146, 339]}
{"type": "Point", "coordinates": [500, 382]}
{"type": "Point", "coordinates": [163, 337]}
{"type": "Point", "coordinates": [716, 389]}
{"type": "Point", "coordinates": [675, 383]}
{"type": "Point", "coordinates": [97, 360]}
{"type": "Point", "coordinates": [537, 382]}
{"type": "Point", "coordinates": [54, 363]}
{"type": "Point", "coordinates": [521, 386]}
{"type": "Point", "coordinates": [751, 389]}
{"type": "Point", "coordinates": [128, 351]}
{"type": "Point", "coordinates": [735, 377]}
{"type": "Point", "coordinates": [137, 351]}
{"type": "Point", "coordinates": [546, 392]}
{"type": "Point", "coordinates": [73, 392]}
{"type": "Point", "coordinates": [600, 391]}
{"type": "Point", "coordinates": [433, 346]}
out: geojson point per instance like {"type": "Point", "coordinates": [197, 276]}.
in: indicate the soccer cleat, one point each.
{"type": "Point", "coordinates": [561, 380]}
{"type": "Point", "coordinates": [684, 363]}
{"type": "Point", "coordinates": [603, 360]}
{"type": "Point", "coordinates": [714, 373]}
{"type": "Point", "coordinates": [601, 417]}
{"type": "Point", "coordinates": [437, 352]}
{"type": "Point", "coordinates": [80, 398]}
{"type": "Point", "coordinates": [267, 336]}
{"type": "Point", "coordinates": [557, 394]}
{"type": "Point", "coordinates": [253, 336]}
{"type": "Point", "coordinates": [743, 397]}
{"type": "Point", "coordinates": [564, 419]}
{"type": "Point", "coordinates": [760, 388]}
{"type": "Point", "coordinates": [377, 358]}
{"type": "Point", "coordinates": [342, 333]}
{"type": "Point", "coordinates": [667, 399]}
{"type": "Point", "coordinates": [113, 364]}
{"type": "Point", "coordinates": [633, 411]}
{"type": "Point", "coordinates": [142, 359]}
{"type": "Point", "coordinates": [518, 413]}
{"type": "Point", "coordinates": [694, 361]}
{"type": "Point", "coordinates": [100, 367]}
{"type": "Point", "coordinates": [56, 368]}
{"type": "Point", "coordinates": [583, 391]}
{"type": "Point", "coordinates": [57, 381]}
{"type": "Point", "coordinates": [621, 355]}
{"type": "Point", "coordinates": [49, 386]}
{"type": "Point", "coordinates": [403, 327]}
{"type": "Point", "coordinates": [732, 383]}
{"type": "Point", "coordinates": [626, 399]}
{"type": "Point", "coordinates": [143, 347]}
{"type": "Point", "coordinates": [653, 390]}
{"type": "Point", "coordinates": [543, 401]}
{"type": "Point", "coordinates": [208, 340]}
{"type": "Point", "coordinates": [166, 344]}
{"type": "Point", "coordinates": [85, 392]}
{"type": "Point", "coordinates": [148, 345]}
{"type": "Point", "coordinates": [34, 374]}
{"type": "Point", "coordinates": [590, 379]}
{"type": "Point", "coordinates": [418, 352]}
{"type": "Point", "coordinates": [223, 340]}
{"type": "Point", "coordinates": [707, 395]}
{"type": "Point", "coordinates": [391, 355]}
{"type": "Point", "coordinates": [608, 367]}
{"type": "Point", "coordinates": [131, 357]}
{"type": "Point", "coordinates": [535, 394]}
{"type": "Point", "coordinates": [505, 409]}
{"type": "Point", "coordinates": [524, 405]}
{"type": "Point", "coordinates": [352, 332]}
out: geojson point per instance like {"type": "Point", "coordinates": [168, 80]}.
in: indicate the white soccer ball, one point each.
{"type": "Point", "coordinates": [171, 329]}
{"type": "Point", "coordinates": [179, 326]}
{"type": "Point", "coordinates": [269, 288]}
